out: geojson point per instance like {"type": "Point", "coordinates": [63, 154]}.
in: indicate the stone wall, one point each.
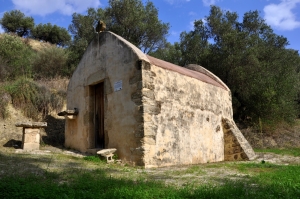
{"type": "Point", "coordinates": [236, 147]}
{"type": "Point", "coordinates": [182, 118]}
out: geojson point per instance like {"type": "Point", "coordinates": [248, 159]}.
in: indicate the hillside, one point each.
{"type": "Point", "coordinates": [53, 134]}
{"type": "Point", "coordinates": [30, 99]}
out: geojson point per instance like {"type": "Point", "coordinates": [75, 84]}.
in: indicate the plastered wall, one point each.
{"type": "Point", "coordinates": [108, 59]}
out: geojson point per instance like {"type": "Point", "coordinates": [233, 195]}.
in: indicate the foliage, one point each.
{"type": "Point", "coordinates": [254, 63]}
{"type": "Point", "coordinates": [83, 32]}
{"type": "Point", "coordinates": [35, 101]}
{"type": "Point", "coordinates": [15, 57]}
{"type": "Point", "coordinates": [170, 53]}
{"type": "Point", "coordinates": [16, 22]}
{"type": "Point", "coordinates": [82, 25]}
{"type": "Point", "coordinates": [137, 23]}
{"type": "Point", "coordinates": [75, 51]}
{"type": "Point", "coordinates": [51, 62]}
{"type": "Point", "coordinates": [194, 45]}
{"type": "Point", "coordinates": [51, 33]}
{"type": "Point", "coordinates": [252, 60]}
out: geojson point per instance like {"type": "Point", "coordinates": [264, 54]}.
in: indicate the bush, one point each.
{"type": "Point", "coordinates": [15, 57]}
{"type": "Point", "coordinates": [35, 101]}
{"type": "Point", "coordinates": [51, 33]}
{"type": "Point", "coordinates": [50, 62]}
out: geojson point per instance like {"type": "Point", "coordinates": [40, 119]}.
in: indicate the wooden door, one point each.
{"type": "Point", "coordinates": [99, 116]}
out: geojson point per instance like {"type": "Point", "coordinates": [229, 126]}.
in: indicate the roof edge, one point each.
{"type": "Point", "coordinates": [203, 75]}
{"type": "Point", "coordinates": [203, 70]}
{"type": "Point", "coordinates": [138, 52]}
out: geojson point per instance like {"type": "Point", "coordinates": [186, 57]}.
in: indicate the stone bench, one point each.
{"type": "Point", "coordinates": [31, 134]}
{"type": "Point", "coordinates": [108, 153]}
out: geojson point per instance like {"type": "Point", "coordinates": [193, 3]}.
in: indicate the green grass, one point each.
{"type": "Point", "coordinates": [283, 183]}
{"type": "Point", "coordinates": [256, 168]}
{"type": "Point", "coordinates": [61, 176]}
{"type": "Point", "coordinates": [93, 158]}
{"type": "Point", "coordinates": [291, 151]}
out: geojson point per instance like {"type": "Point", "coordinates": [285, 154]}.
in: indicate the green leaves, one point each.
{"type": "Point", "coordinates": [16, 22]}
{"type": "Point", "coordinates": [51, 33]}
{"type": "Point", "coordinates": [50, 62]}
{"type": "Point", "coordinates": [15, 56]}
{"type": "Point", "coordinates": [131, 19]}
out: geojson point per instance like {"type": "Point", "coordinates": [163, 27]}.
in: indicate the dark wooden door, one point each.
{"type": "Point", "coordinates": [99, 116]}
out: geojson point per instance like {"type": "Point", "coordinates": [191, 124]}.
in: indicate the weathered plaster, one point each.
{"type": "Point", "coordinates": [162, 116]}
{"type": "Point", "coordinates": [108, 58]}
{"type": "Point", "coordinates": [183, 118]}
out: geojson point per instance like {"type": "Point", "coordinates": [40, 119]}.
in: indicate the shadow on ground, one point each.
{"type": "Point", "coordinates": [13, 143]}
{"type": "Point", "coordinates": [55, 132]}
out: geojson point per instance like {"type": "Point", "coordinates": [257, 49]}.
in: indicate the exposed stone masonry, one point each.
{"type": "Point", "coordinates": [236, 147]}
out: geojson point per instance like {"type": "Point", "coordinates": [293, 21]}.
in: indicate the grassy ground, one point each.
{"type": "Point", "coordinates": [291, 151]}
{"type": "Point", "coordinates": [62, 174]}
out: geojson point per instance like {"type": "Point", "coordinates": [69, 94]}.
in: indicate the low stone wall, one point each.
{"type": "Point", "coordinates": [236, 147]}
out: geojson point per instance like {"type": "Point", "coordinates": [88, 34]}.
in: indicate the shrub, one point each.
{"type": "Point", "coordinates": [15, 57]}
{"type": "Point", "coordinates": [35, 101]}
{"type": "Point", "coordinates": [50, 62]}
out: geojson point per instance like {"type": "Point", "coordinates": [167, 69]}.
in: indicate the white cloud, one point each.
{"type": "Point", "coordinates": [176, 1]}
{"type": "Point", "coordinates": [174, 33]}
{"type": "Point", "coordinates": [192, 13]}
{"type": "Point", "coordinates": [281, 15]}
{"type": "Point", "coordinates": [209, 2]}
{"type": "Point", "coordinates": [44, 7]}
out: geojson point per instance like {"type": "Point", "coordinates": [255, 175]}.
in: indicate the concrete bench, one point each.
{"type": "Point", "coordinates": [31, 134]}
{"type": "Point", "coordinates": [108, 153]}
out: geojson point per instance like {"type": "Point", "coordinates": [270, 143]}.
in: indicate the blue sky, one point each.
{"type": "Point", "coordinates": [282, 15]}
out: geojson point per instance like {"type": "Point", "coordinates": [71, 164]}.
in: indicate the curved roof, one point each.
{"type": "Point", "coordinates": [137, 51]}
{"type": "Point", "coordinates": [203, 75]}
{"type": "Point", "coordinates": [212, 79]}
